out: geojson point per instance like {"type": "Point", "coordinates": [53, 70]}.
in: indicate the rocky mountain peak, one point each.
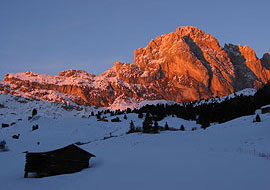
{"type": "Point", "coordinates": [193, 33]}
{"type": "Point", "coordinates": [181, 66]}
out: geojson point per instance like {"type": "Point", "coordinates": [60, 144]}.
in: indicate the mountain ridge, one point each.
{"type": "Point", "coordinates": [181, 66]}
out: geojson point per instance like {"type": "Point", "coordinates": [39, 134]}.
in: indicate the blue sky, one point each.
{"type": "Point", "coordinates": [54, 35]}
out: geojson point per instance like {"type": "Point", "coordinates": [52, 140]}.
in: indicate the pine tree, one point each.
{"type": "Point", "coordinates": [182, 128]}
{"type": "Point", "coordinates": [128, 110]}
{"type": "Point", "coordinates": [125, 116]}
{"type": "Point", "coordinates": [147, 124]}
{"type": "Point", "coordinates": [258, 118]}
{"type": "Point", "coordinates": [156, 127]}
{"type": "Point", "coordinates": [131, 127]}
{"type": "Point", "coordinates": [166, 127]}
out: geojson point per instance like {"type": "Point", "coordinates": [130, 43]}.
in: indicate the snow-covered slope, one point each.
{"type": "Point", "coordinates": [245, 92]}
{"type": "Point", "coordinates": [132, 104]}
{"type": "Point", "coordinates": [14, 108]}
{"type": "Point", "coordinates": [232, 155]}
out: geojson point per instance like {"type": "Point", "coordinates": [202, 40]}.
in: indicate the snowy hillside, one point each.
{"type": "Point", "coordinates": [245, 92]}
{"type": "Point", "coordinates": [122, 105]}
{"type": "Point", "coordinates": [232, 155]}
{"type": "Point", "coordinates": [14, 108]}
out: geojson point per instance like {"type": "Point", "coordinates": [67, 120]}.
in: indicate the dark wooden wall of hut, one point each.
{"type": "Point", "coordinates": [69, 159]}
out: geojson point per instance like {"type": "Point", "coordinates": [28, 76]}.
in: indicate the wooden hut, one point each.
{"type": "Point", "coordinates": [68, 159]}
{"type": "Point", "coordinates": [265, 109]}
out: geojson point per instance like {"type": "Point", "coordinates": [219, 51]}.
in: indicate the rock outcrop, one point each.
{"type": "Point", "coordinates": [182, 66]}
{"type": "Point", "coordinates": [266, 60]}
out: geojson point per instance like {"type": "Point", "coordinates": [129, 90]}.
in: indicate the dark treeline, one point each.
{"type": "Point", "coordinates": [207, 113]}
{"type": "Point", "coordinates": [204, 113]}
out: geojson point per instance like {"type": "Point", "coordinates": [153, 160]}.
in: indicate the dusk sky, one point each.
{"type": "Point", "coordinates": [55, 35]}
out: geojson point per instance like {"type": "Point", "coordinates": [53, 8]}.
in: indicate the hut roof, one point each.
{"type": "Point", "coordinates": [69, 148]}
{"type": "Point", "coordinates": [267, 106]}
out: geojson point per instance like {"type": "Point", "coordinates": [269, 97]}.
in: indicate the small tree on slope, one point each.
{"type": "Point", "coordinates": [34, 112]}
{"type": "Point", "coordinates": [147, 124]}
{"type": "Point", "coordinates": [131, 127]}
{"type": "Point", "coordinates": [182, 128]}
{"type": "Point", "coordinates": [156, 127]}
{"type": "Point", "coordinates": [258, 118]}
{"type": "Point", "coordinates": [166, 127]}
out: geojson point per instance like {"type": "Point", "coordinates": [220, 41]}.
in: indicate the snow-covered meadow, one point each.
{"type": "Point", "coordinates": [232, 155]}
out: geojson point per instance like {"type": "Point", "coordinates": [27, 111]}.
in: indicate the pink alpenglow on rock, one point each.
{"type": "Point", "coordinates": [182, 66]}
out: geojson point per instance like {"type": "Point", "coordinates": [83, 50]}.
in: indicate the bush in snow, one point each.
{"type": "Point", "coordinates": [3, 146]}
{"type": "Point", "coordinates": [34, 112]}
{"type": "Point", "coordinates": [34, 127]}
{"type": "Point", "coordinates": [115, 119]}
{"type": "Point", "coordinates": [98, 116]}
{"type": "Point", "coordinates": [140, 115]}
{"type": "Point", "coordinates": [103, 119]}
{"type": "Point", "coordinates": [5, 125]}
{"type": "Point", "coordinates": [16, 136]}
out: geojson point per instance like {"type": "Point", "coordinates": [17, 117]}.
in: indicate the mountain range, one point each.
{"type": "Point", "coordinates": [181, 66]}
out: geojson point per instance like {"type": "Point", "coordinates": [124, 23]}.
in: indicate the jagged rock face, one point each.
{"type": "Point", "coordinates": [193, 60]}
{"type": "Point", "coordinates": [182, 66]}
{"type": "Point", "coordinates": [266, 60]}
{"type": "Point", "coordinates": [249, 71]}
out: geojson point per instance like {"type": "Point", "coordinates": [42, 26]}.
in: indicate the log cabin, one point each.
{"type": "Point", "coordinates": [265, 109]}
{"type": "Point", "coordinates": [65, 160]}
